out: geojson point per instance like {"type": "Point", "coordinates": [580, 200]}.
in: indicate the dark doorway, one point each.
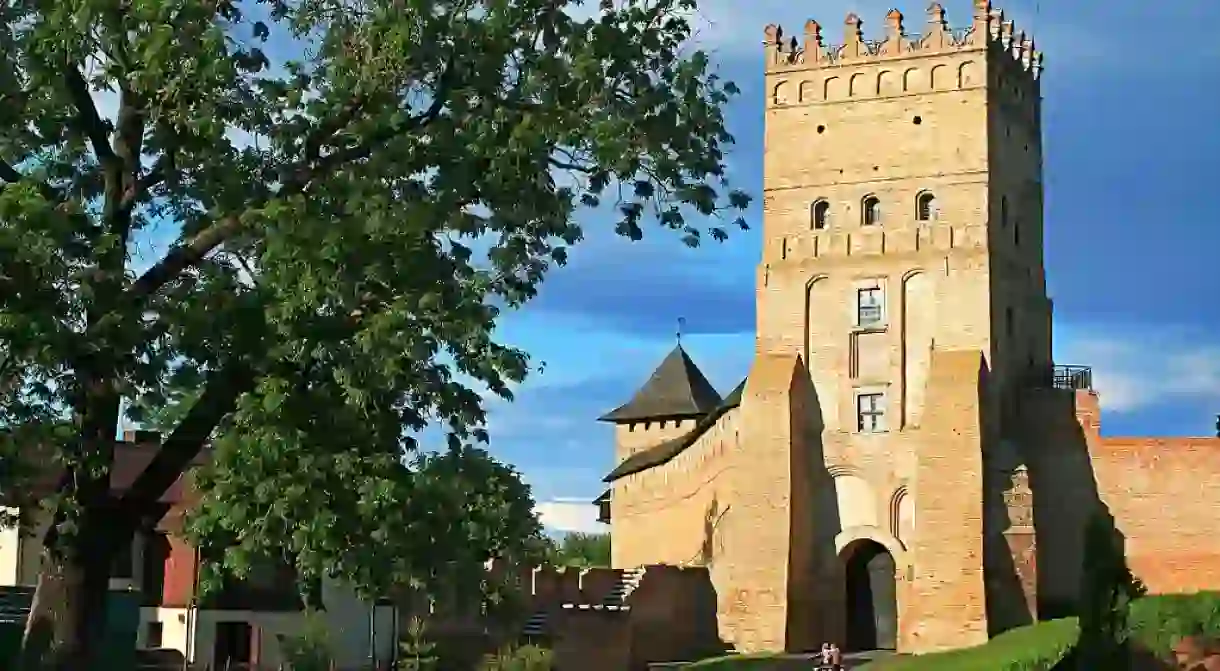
{"type": "Point", "coordinates": [872, 602]}
{"type": "Point", "coordinates": [232, 648]}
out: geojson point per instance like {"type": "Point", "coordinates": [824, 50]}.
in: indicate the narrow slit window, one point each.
{"type": "Point", "coordinates": [926, 207]}
{"type": "Point", "coordinates": [820, 215]}
{"type": "Point", "coordinates": [872, 211]}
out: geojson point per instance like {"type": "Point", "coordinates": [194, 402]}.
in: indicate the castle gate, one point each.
{"type": "Point", "coordinates": [872, 603]}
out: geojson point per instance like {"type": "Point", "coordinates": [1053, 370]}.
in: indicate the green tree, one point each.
{"type": "Point", "coordinates": [1107, 589]}
{"type": "Point", "coordinates": [416, 652]}
{"type": "Point", "coordinates": [355, 190]}
{"type": "Point", "coordinates": [581, 550]}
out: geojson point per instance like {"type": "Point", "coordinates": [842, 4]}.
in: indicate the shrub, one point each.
{"type": "Point", "coordinates": [1159, 621]}
{"type": "Point", "coordinates": [310, 649]}
{"type": "Point", "coordinates": [416, 652]}
{"type": "Point", "coordinates": [1108, 588]}
{"type": "Point", "coordinates": [524, 658]}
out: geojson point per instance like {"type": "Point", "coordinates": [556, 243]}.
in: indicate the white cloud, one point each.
{"type": "Point", "coordinates": [570, 515]}
{"type": "Point", "coordinates": [1133, 370]}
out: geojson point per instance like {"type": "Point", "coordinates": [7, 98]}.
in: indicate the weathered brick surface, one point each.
{"type": "Point", "coordinates": [947, 602]}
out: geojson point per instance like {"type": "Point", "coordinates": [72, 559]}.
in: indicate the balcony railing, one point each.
{"type": "Point", "coordinates": [1072, 378]}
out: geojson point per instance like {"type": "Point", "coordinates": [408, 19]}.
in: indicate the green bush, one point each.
{"type": "Point", "coordinates": [1159, 621]}
{"type": "Point", "coordinates": [310, 649]}
{"type": "Point", "coordinates": [524, 658]}
{"type": "Point", "coordinates": [1037, 647]}
{"type": "Point", "coordinates": [1108, 589]}
{"type": "Point", "coordinates": [416, 651]}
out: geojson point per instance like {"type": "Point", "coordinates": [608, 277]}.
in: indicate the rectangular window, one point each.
{"type": "Point", "coordinates": [152, 636]}
{"type": "Point", "coordinates": [870, 412]}
{"type": "Point", "coordinates": [869, 306]}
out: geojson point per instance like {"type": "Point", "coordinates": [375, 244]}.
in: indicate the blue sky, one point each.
{"type": "Point", "coordinates": [1131, 139]}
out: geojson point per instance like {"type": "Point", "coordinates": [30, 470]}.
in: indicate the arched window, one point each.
{"type": "Point", "coordinates": [871, 209]}
{"type": "Point", "coordinates": [925, 207]}
{"type": "Point", "coordinates": [819, 214]}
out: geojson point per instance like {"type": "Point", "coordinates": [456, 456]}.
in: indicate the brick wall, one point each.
{"type": "Point", "coordinates": [946, 605]}
{"type": "Point", "coordinates": [1165, 496]}
{"type": "Point", "coordinates": [1162, 492]}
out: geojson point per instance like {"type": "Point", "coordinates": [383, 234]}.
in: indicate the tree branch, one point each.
{"type": "Point", "coordinates": [299, 177]}
{"type": "Point", "coordinates": [158, 173]}
{"type": "Point", "coordinates": [183, 445]}
{"type": "Point", "coordinates": [182, 257]}
{"type": "Point", "coordinates": [10, 174]}
{"type": "Point", "coordinates": [92, 124]}
{"type": "Point", "coordinates": [326, 129]}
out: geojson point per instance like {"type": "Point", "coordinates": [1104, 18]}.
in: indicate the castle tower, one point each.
{"type": "Point", "coordinates": [902, 208]}
{"type": "Point", "coordinates": [650, 429]}
{"type": "Point", "coordinates": [903, 218]}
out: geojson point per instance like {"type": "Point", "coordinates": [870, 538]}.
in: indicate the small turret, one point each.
{"type": "Point", "coordinates": [677, 389]}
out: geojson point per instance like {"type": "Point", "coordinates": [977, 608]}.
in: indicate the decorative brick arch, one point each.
{"type": "Point", "coordinates": [878, 535]}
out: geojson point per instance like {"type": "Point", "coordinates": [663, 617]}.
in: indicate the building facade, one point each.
{"type": "Point", "coordinates": [905, 465]}
{"type": "Point", "coordinates": [246, 624]}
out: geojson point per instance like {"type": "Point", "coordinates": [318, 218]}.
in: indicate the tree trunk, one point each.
{"type": "Point", "coordinates": [67, 620]}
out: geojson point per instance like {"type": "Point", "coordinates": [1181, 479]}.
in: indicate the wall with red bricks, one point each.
{"type": "Point", "coordinates": [1164, 494]}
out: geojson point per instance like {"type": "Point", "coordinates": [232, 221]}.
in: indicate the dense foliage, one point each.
{"type": "Point", "coordinates": [1107, 590]}
{"type": "Point", "coordinates": [581, 550]}
{"type": "Point", "coordinates": [297, 221]}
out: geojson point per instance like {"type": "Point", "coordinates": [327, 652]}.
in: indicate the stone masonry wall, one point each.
{"type": "Point", "coordinates": [947, 598]}
{"type": "Point", "coordinates": [1165, 496]}
{"type": "Point", "coordinates": [669, 514]}
{"type": "Point", "coordinates": [1162, 492]}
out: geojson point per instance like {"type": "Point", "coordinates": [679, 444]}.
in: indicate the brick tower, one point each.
{"type": "Point", "coordinates": [902, 220]}
{"type": "Point", "coordinates": [858, 487]}
{"type": "Point", "coordinates": [903, 207]}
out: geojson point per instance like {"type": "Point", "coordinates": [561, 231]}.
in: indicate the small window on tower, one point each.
{"type": "Point", "coordinates": [1003, 211]}
{"type": "Point", "coordinates": [925, 207]}
{"type": "Point", "coordinates": [870, 412]}
{"type": "Point", "coordinates": [872, 211]}
{"type": "Point", "coordinates": [153, 636]}
{"type": "Point", "coordinates": [820, 214]}
{"type": "Point", "coordinates": [870, 306]}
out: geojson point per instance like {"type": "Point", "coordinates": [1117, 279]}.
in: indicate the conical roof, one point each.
{"type": "Point", "coordinates": [677, 388]}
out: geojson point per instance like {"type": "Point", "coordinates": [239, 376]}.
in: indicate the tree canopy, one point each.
{"type": "Point", "coordinates": [581, 550]}
{"type": "Point", "coordinates": [301, 220]}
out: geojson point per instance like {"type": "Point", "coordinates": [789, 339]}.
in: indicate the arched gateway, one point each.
{"type": "Point", "coordinates": [872, 601]}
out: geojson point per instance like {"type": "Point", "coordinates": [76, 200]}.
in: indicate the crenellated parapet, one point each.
{"type": "Point", "coordinates": [561, 585]}
{"type": "Point", "coordinates": [988, 28]}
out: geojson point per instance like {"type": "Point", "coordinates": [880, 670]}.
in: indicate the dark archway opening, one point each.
{"type": "Point", "coordinates": [872, 600]}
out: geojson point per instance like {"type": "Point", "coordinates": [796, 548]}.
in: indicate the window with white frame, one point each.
{"type": "Point", "coordinates": [870, 306]}
{"type": "Point", "coordinates": [870, 412]}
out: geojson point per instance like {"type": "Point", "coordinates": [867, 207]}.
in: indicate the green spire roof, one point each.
{"type": "Point", "coordinates": [677, 388]}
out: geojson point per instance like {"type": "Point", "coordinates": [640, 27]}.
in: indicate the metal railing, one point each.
{"type": "Point", "coordinates": [1071, 378]}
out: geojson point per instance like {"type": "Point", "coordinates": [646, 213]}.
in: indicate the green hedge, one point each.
{"type": "Point", "coordinates": [1158, 621]}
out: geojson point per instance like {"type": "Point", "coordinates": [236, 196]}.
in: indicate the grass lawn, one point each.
{"type": "Point", "coordinates": [760, 661]}
{"type": "Point", "coordinates": [1156, 622]}
{"type": "Point", "coordinates": [1035, 647]}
